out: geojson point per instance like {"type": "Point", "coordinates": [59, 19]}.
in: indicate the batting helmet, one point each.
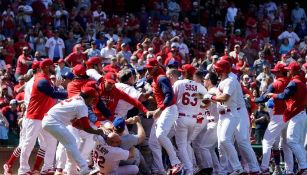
{"type": "Point", "coordinates": [222, 66]}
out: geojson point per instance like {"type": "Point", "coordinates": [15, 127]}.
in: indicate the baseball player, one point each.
{"type": "Point", "coordinates": [165, 117]}
{"type": "Point", "coordinates": [242, 130]}
{"type": "Point", "coordinates": [206, 141]}
{"type": "Point", "coordinates": [71, 111]}
{"type": "Point", "coordinates": [110, 95]}
{"type": "Point", "coordinates": [294, 114]}
{"type": "Point", "coordinates": [276, 125]}
{"type": "Point", "coordinates": [188, 107]}
{"type": "Point", "coordinates": [43, 97]}
{"type": "Point", "coordinates": [228, 114]}
{"type": "Point", "coordinates": [16, 153]}
{"type": "Point", "coordinates": [107, 156]}
{"type": "Point", "coordinates": [126, 83]}
{"type": "Point", "coordinates": [94, 68]}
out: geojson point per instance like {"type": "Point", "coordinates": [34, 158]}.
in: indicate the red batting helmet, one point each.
{"type": "Point", "coordinates": [227, 58]}
{"type": "Point", "coordinates": [222, 66]}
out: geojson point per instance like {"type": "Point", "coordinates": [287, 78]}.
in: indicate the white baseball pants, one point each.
{"type": "Point", "coordinates": [159, 137]}
{"type": "Point", "coordinates": [61, 133]}
{"type": "Point", "coordinates": [276, 128]}
{"type": "Point", "coordinates": [242, 134]}
{"type": "Point", "coordinates": [208, 145]}
{"type": "Point", "coordinates": [184, 127]}
{"type": "Point", "coordinates": [226, 127]}
{"type": "Point", "coordinates": [33, 130]}
{"type": "Point", "coordinates": [296, 129]}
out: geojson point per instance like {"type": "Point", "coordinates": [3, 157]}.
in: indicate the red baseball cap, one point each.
{"type": "Point", "coordinates": [79, 70]}
{"type": "Point", "coordinates": [93, 60]}
{"type": "Point", "coordinates": [89, 91]}
{"type": "Point", "coordinates": [92, 84]}
{"type": "Point", "coordinates": [35, 65]}
{"type": "Point", "coordinates": [227, 58]}
{"type": "Point", "coordinates": [45, 62]}
{"type": "Point", "coordinates": [293, 66]}
{"type": "Point", "coordinates": [188, 68]}
{"type": "Point", "coordinates": [278, 67]}
{"type": "Point", "coordinates": [110, 77]}
{"type": "Point", "coordinates": [152, 62]}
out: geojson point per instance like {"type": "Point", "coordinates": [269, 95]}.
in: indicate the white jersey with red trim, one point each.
{"type": "Point", "coordinates": [211, 111]}
{"type": "Point", "coordinates": [106, 158]}
{"type": "Point", "coordinates": [228, 86]}
{"type": "Point", "coordinates": [69, 110]}
{"type": "Point", "coordinates": [240, 97]}
{"type": "Point", "coordinates": [186, 92]}
{"type": "Point", "coordinates": [123, 107]}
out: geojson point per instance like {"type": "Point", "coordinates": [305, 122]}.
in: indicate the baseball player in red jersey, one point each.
{"type": "Point", "coordinates": [165, 117]}
{"type": "Point", "coordinates": [294, 115]}
{"type": "Point", "coordinates": [110, 95]}
{"type": "Point", "coordinates": [226, 97]}
{"type": "Point", "coordinates": [94, 68]}
{"type": "Point", "coordinates": [276, 126]}
{"type": "Point", "coordinates": [72, 111]}
{"type": "Point", "coordinates": [43, 97]}
{"type": "Point", "coordinates": [188, 107]}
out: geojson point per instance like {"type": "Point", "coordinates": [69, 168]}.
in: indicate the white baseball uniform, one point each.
{"type": "Point", "coordinates": [62, 115]}
{"type": "Point", "coordinates": [106, 159]}
{"type": "Point", "coordinates": [188, 107]}
{"type": "Point", "coordinates": [123, 107]}
{"type": "Point", "coordinates": [242, 133]}
{"type": "Point", "coordinates": [206, 141]}
{"type": "Point", "coordinates": [228, 121]}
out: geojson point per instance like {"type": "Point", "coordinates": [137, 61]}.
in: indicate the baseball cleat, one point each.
{"type": "Point", "coordinates": [177, 168]}
{"type": "Point", "coordinates": [7, 169]}
{"type": "Point", "coordinates": [237, 172]}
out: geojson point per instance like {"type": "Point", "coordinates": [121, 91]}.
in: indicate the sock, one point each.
{"type": "Point", "coordinates": [39, 159]}
{"type": "Point", "coordinates": [276, 155]}
{"type": "Point", "coordinates": [14, 156]}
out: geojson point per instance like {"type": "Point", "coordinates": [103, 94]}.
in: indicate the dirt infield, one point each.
{"type": "Point", "coordinates": [5, 153]}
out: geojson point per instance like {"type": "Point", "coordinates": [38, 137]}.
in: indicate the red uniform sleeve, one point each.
{"type": "Point", "coordinates": [82, 122]}
{"type": "Point", "coordinates": [132, 101]}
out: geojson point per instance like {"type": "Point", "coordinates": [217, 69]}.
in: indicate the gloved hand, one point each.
{"type": "Point", "coordinates": [91, 116]}
{"type": "Point", "coordinates": [270, 103]}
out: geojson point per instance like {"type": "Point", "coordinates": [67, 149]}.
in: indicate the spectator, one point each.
{"type": "Point", "coordinates": [173, 8]}
{"type": "Point", "coordinates": [298, 14]}
{"type": "Point", "coordinates": [20, 86]}
{"type": "Point", "coordinates": [99, 15]}
{"type": "Point", "coordinates": [11, 114]}
{"type": "Point", "coordinates": [231, 13]}
{"type": "Point", "coordinates": [108, 52]}
{"type": "Point", "coordinates": [61, 69]}
{"type": "Point", "coordinates": [261, 118]}
{"type": "Point", "coordinates": [4, 128]}
{"type": "Point", "coordinates": [93, 51]}
{"type": "Point", "coordinates": [290, 34]}
{"type": "Point", "coordinates": [285, 46]}
{"type": "Point", "coordinates": [301, 28]}
{"type": "Point", "coordinates": [55, 47]}
{"type": "Point", "coordinates": [23, 62]}
{"type": "Point", "coordinates": [39, 43]}
{"type": "Point", "coordinates": [76, 57]}
{"type": "Point", "coordinates": [165, 19]}
{"type": "Point", "coordinates": [70, 42]}
{"type": "Point", "coordinates": [258, 64]}
{"type": "Point", "coordinates": [125, 51]}
{"type": "Point", "coordinates": [270, 9]}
